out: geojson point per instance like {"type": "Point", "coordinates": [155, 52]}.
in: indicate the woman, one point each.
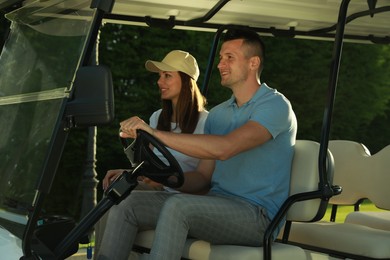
{"type": "Point", "coordinates": [183, 106]}
{"type": "Point", "coordinates": [183, 111]}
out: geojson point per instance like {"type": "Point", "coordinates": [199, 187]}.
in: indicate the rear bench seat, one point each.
{"type": "Point", "coordinates": [363, 234]}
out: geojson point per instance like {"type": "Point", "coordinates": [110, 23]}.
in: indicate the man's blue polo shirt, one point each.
{"type": "Point", "coordinates": [260, 175]}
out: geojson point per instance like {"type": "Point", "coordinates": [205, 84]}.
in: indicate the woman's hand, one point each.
{"type": "Point", "coordinates": [111, 175]}
{"type": "Point", "coordinates": [129, 127]}
{"type": "Point", "coordinates": [149, 182]}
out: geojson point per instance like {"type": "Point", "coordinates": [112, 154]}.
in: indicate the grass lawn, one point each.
{"type": "Point", "coordinates": [343, 211]}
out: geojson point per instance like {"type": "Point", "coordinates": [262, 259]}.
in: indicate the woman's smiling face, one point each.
{"type": "Point", "coordinates": [169, 84]}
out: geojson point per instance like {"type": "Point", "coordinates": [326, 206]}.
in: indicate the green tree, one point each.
{"type": "Point", "coordinates": [363, 95]}
{"type": "Point", "coordinates": [299, 69]}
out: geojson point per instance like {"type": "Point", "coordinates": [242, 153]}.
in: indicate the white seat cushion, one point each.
{"type": "Point", "coordinates": [199, 250]}
{"type": "Point", "coordinates": [374, 219]}
{"type": "Point", "coordinates": [343, 237]}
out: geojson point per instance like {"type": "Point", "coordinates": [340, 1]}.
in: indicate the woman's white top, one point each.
{"type": "Point", "coordinates": [186, 162]}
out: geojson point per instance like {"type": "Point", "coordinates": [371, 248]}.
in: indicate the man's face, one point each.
{"type": "Point", "coordinates": [233, 65]}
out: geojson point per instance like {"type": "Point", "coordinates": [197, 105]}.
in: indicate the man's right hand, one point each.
{"type": "Point", "coordinates": [129, 127]}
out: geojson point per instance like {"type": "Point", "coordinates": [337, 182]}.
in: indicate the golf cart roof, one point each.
{"type": "Point", "coordinates": [367, 21]}
{"type": "Point", "coordinates": [302, 18]}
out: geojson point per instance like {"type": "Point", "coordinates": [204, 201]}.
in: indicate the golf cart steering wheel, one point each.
{"type": "Point", "coordinates": [154, 168]}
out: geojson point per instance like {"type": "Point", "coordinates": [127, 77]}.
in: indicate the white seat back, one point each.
{"type": "Point", "coordinates": [360, 174]}
{"type": "Point", "coordinates": [305, 178]}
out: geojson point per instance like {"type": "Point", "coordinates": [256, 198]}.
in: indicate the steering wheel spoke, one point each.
{"type": "Point", "coordinates": [153, 167]}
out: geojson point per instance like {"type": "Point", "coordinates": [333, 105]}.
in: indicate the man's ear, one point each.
{"type": "Point", "coordinates": [255, 62]}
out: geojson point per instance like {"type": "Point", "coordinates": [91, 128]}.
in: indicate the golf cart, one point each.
{"type": "Point", "coordinates": [46, 66]}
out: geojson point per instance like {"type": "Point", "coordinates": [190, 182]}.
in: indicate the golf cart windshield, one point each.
{"type": "Point", "coordinates": [34, 86]}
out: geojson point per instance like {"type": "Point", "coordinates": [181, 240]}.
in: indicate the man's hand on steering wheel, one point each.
{"type": "Point", "coordinates": [130, 126]}
{"type": "Point", "coordinates": [146, 162]}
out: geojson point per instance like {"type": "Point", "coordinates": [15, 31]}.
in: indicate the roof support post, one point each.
{"type": "Point", "coordinates": [332, 86]}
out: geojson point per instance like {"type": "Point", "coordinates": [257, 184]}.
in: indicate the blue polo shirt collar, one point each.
{"type": "Point", "coordinates": [256, 96]}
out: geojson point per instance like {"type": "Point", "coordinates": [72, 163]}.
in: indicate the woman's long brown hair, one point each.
{"type": "Point", "coordinates": [190, 103]}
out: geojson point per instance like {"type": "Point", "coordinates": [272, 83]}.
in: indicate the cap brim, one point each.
{"type": "Point", "coordinates": [156, 66]}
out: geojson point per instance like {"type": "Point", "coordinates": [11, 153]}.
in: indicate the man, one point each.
{"type": "Point", "coordinates": [246, 156]}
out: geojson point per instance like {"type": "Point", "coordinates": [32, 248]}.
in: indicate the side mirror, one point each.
{"type": "Point", "coordinates": [93, 102]}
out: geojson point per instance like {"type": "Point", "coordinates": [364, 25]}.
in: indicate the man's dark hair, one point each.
{"type": "Point", "coordinates": [251, 38]}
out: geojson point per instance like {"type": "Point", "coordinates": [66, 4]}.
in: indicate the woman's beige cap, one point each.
{"type": "Point", "coordinates": [175, 61]}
